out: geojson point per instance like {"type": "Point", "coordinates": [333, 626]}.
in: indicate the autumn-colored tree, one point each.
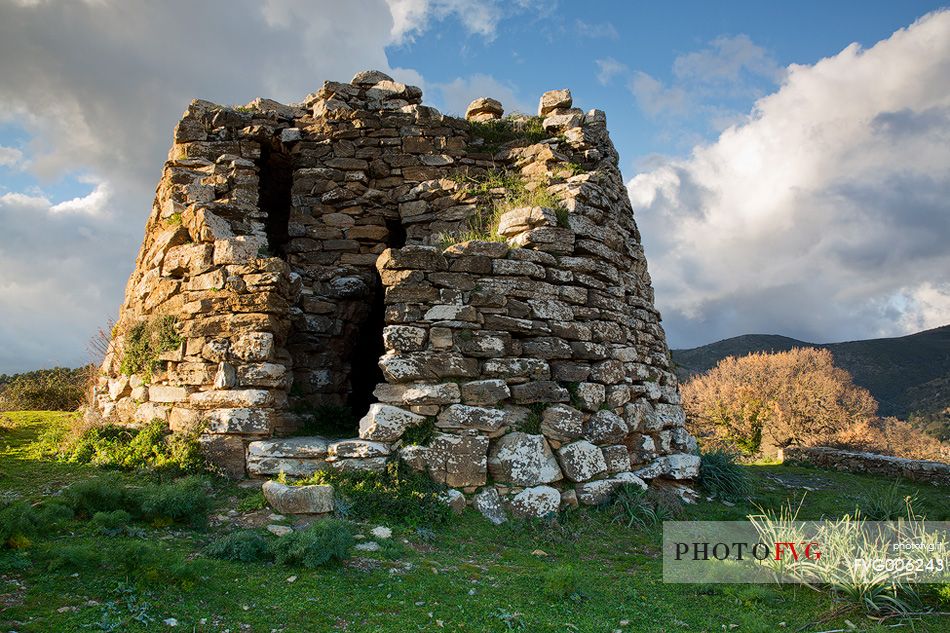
{"type": "Point", "coordinates": [761, 402]}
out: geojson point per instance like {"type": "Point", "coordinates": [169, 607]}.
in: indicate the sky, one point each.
{"type": "Point", "coordinates": [788, 163]}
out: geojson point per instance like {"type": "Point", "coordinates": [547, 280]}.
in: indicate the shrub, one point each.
{"type": "Point", "coordinates": [56, 389]}
{"type": "Point", "coordinates": [720, 475]}
{"type": "Point", "coordinates": [246, 546]}
{"type": "Point", "coordinates": [399, 495]}
{"type": "Point", "coordinates": [111, 523]}
{"type": "Point", "coordinates": [562, 583]}
{"type": "Point", "coordinates": [761, 402]}
{"type": "Point", "coordinates": [73, 557]}
{"type": "Point", "coordinates": [326, 541]}
{"type": "Point", "coordinates": [496, 192]}
{"type": "Point", "coordinates": [499, 132]}
{"type": "Point", "coordinates": [252, 502]}
{"type": "Point", "coordinates": [20, 522]}
{"type": "Point", "coordinates": [152, 446]}
{"type": "Point", "coordinates": [186, 502]}
{"type": "Point", "coordinates": [531, 423]}
{"type": "Point", "coordinates": [101, 494]}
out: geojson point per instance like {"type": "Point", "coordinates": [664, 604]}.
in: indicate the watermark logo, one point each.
{"type": "Point", "coordinates": [763, 550]}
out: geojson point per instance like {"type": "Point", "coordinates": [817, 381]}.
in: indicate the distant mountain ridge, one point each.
{"type": "Point", "coordinates": [907, 374]}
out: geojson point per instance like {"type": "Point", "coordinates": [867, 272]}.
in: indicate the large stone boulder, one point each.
{"type": "Point", "coordinates": [523, 460]}
{"type": "Point", "coordinates": [298, 499]}
{"type": "Point", "coordinates": [458, 461]}
{"type": "Point", "coordinates": [605, 427]}
{"type": "Point", "coordinates": [536, 502]}
{"type": "Point", "coordinates": [562, 423]}
{"type": "Point", "coordinates": [484, 109]}
{"type": "Point", "coordinates": [554, 100]}
{"type": "Point", "coordinates": [581, 460]}
{"type": "Point", "coordinates": [488, 503]}
{"type": "Point", "coordinates": [386, 423]}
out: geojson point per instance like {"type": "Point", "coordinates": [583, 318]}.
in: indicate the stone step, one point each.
{"type": "Point", "coordinates": [294, 456]}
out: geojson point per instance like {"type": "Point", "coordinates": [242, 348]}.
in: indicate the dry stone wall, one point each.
{"type": "Point", "coordinates": [474, 289]}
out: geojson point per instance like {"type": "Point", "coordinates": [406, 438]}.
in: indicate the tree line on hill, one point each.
{"type": "Point", "coordinates": [56, 389]}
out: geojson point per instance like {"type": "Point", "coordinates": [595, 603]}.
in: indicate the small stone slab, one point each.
{"type": "Point", "coordinates": [316, 499]}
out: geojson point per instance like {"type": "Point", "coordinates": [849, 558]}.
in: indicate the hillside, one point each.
{"type": "Point", "coordinates": [907, 374]}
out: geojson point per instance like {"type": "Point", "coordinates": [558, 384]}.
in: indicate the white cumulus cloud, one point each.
{"type": "Point", "coordinates": [825, 214]}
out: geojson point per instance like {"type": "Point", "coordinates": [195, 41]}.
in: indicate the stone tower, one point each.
{"type": "Point", "coordinates": [472, 290]}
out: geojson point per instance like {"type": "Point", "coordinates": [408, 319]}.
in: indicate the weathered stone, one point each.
{"type": "Point", "coordinates": [293, 456]}
{"type": "Point", "coordinates": [680, 466]}
{"type": "Point", "coordinates": [386, 423]}
{"type": "Point", "coordinates": [554, 100]}
{"type": "Point", "coordinates": [539, 391]}
{"type": "Point", "coordinates": [593, 493]}
{"type": "Point", "coordinates": [460, 416]}
{"type": "Point", "coordinates": [484, 392]}
{"type": "Point", "coordinates": [359, 449]}
{"type": "Point", "coordinates": [458, 460]}
{"type": "Point", "coordinates": [581, 460]}
{"type": "Point", "coordinates": [523, 460]}
{"type": "Point", "coordinates": [589, 396]}
{"type": "Point", "coordinates": [617, 458]}
{"type": "Point", "coordinates": [455, 500]}
{"type": "Point", "coordinates": [562, 422]}
{"type": "Point", "coordinates": [298, 499]}
{"type": "Point", "coordinates": [484, 109]}
{"type": "Point", "coordinates": [535, 503]}
{"type": "Point", "coordinates": [488, 503]}
{"type": "Point", "coordinates": [605, 427]}
{"type": "Point", "coordinates": [523, 219]}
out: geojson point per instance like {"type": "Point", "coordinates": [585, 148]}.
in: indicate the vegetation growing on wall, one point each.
{"type": "Point", "coordinates": [496, 192]}
{"type": "Point", "coordinates": [145, 341]}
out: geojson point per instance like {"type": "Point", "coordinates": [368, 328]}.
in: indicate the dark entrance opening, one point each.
{"type": "Point", "coordinates": [367, 347]}
{"type": "Point", "coordinates": [275, 181]}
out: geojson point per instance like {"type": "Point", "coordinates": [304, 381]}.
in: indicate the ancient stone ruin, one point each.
{"type": "Point", "coordinates": [472, 292]}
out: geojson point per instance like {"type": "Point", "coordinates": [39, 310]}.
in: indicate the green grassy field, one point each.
{"type": "Point", "coordinates": [585, 574]}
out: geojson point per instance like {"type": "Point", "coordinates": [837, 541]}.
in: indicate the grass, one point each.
{"type": "Point", "coordinates": [500, 132]}
{"type": "Point", "coordinates": [496, 192]}
{"type": "Point", "coordinates": [582, 573]}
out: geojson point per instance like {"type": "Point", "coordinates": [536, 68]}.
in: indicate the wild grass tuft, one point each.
{"type": "Point", "coordinates": [720, 475]}
{"type": "Point", "coordinates": [245, 546]}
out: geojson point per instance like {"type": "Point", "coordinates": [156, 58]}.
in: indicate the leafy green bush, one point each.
{"type": "Point", "coordinates": [562, 583]}
{"type": "Point", "coordinates": [20, 522]}
{"type": "Point", "coordinates": [246, 546]}
{"type": "Point", "coordinates": [326, 541]}
{"type": "Point", "coordinates": [252, 502]}
{"type": "Point", "coordinates": [398, 495]}
{"type": "Point", "coordinates": [186, 502]}
{"type": "Point", "coordinates": [720, 475]}
{"type": "Point", "coordinates": [56, 389]}
{"type": "Point", "coordinates": [145, 341]}
{"type": "Point", "coordinates": [152, 447]}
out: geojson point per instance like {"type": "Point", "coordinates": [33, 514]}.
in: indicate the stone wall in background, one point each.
{"type": "Point", "coordinates": [859, 462]}
{"type": "Point", "coordinates": [474, 291]}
